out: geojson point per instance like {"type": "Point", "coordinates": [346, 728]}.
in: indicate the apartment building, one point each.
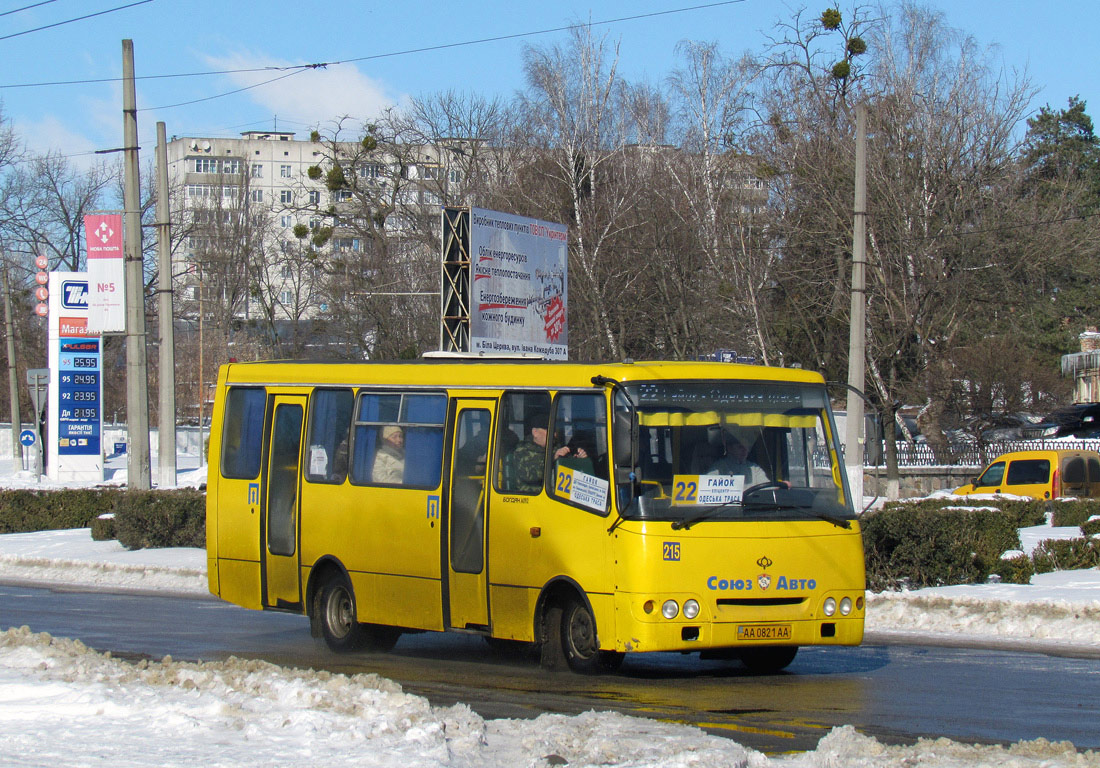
{"type": "Point", "coordinates": [223, 189]}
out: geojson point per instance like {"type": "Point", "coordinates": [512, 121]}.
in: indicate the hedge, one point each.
{"type": "Point", "coordinates": [138, 519]}
{"type": "Point", "coordinates": [931, 544]}
{"type": "Point", "coordinates": [149, 519]}
{"type": "Point", "coordinates": [26, 510]}
{"type": "Point", "coordinates": [952, 540]}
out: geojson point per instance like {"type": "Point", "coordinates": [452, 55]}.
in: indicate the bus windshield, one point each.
{"type": "Point", "coordinates": [731, 451]}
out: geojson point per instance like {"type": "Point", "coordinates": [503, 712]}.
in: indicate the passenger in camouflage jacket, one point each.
{"type": "Point", "coordinates": [528, 460]}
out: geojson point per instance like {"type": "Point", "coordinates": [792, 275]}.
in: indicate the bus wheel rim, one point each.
{"type": "Point", "coordinates": [340, 612]}
{"type": "Point", "coordinates": [582, 633]}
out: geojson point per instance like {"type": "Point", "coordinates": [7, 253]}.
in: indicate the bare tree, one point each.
{"type": "Point", "coordinates": [49, 216]}
{"type": "Point", "coordinates": [382, 253]}
{"type": "Point", "coordinates": [722, 188]}
{"type": "Point", "coordinates": [573, 168]}
{"type": "Point", "coordinates": [942, 127]}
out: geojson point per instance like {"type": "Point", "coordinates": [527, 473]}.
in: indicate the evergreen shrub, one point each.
{"type": "Point", "coordinates": [1074, 511]}
{"type": "Point", "coordinates": [935, 542]}
{"type": "Point", "coordinates": [150, 519]}
{"type": "Point", "coordinates": [26, 510]}
{"type": "Point", "coordinates": [1066, 555]}
{"type": "Point", "coordinates": [139, 519]}
{"type": "Point", "coordinates": [1016, 570]}
{"type": "Point", "coordinates": [103, 527]}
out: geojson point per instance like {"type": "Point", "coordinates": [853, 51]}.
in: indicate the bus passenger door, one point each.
{"type": "Point", "coordinates": [280, 504]}
{"type": "Point", "coordinates": [467, 585]}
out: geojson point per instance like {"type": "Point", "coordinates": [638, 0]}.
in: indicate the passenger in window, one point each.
{"type": "Point", "coordinates": [529, 458]}
{"type": "Point", "coordinates": [735, 461]}
{"type": "Point", "coordinates": [389, 461]}
{"type": "Point", "coordinates": [578, 454]}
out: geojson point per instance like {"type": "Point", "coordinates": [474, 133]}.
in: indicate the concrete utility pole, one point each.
{"type": "Point", "coordinates": [167, 360]}
{"type": "Point", "coordinates": [857, 343]}
{"type": "Point", "coordinates": [137, 383]}
{"type": "Point", "coordinates": [13, 381]}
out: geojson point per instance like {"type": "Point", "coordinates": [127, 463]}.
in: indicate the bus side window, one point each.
{"type": "Point", "coordinates": [416, 461]}
{"type": "Point", "coordinates": [579, 443]}
{"type": "Point", "coordinates": [521, 460]}
{"type": "Point", "coordinates": [330, 429]}
{"type": "Point", "coordinates": [243, 433]}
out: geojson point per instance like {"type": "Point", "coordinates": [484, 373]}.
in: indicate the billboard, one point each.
{"type": "Point", "coordinates": [106, 270]}
{"type": "Point", "coordinates": [519, 285]}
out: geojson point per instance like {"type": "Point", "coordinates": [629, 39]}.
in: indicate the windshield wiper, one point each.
{"type": "Point", "coordinates": [699, 517]}
{"type": "Point", "coordinates": [772, 504]}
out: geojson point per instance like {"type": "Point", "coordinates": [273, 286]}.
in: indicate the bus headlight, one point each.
{"type": "Point", "coordinates": [691, 609]}
{"type": "Point", "coordinates": [845, 606]}
{"type": "Point", "coordinates": [830, 606]}
{"type": "Point", "coordinates": [670, 609]}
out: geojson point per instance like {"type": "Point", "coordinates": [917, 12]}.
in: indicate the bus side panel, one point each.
{"type": "Point", "coordinates": [232, 522]}
{"type": "Point", "coordinates": [214, 461]}
{"type": "Point", "coordinates": [388, 540]}
{"type": "Point", "coordinates": [535, 540]}
{"type": "Point", "coordinates": [512, 612]}
{"type": "Point", "coordinates": [240, 583]}
{"type": "Point", "coordinates": [398, 601]}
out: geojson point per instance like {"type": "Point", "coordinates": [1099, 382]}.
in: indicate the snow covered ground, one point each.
{"type": "Point", "coordinates": [62, 704]}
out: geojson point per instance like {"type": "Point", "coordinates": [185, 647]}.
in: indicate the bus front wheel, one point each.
{"type": "Point", "coordinates": [570, 634]}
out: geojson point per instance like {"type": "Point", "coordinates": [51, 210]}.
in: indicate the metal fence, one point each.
{"type": "Point", "coordinates": [968, 454]}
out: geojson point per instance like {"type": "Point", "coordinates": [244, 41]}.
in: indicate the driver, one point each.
{"type": "Point", "coordinates": [734, 461]}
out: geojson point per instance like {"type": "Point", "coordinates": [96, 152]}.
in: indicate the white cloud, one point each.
{"type": "Point", "coordinates": [50, 134]}
{"type": "Point", "coordinates": [315, 96]}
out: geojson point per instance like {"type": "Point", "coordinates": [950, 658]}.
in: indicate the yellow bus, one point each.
{"type": "Point", "coordinates": [593, 509]}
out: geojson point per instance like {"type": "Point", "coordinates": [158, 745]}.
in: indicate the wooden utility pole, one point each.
{"type": "Point", "coordinates": [166, 453]}
{"type": "Point", "coordinates": [137, 382]}
{"type": "Point", "coordinates": [857, 342]}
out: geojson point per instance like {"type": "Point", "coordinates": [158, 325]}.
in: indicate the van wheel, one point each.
{"type": "Point", "coordinates": [768, 660]}
{"type": "Point", "coordinates": [336, 610]}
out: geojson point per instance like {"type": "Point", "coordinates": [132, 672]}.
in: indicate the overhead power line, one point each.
{"type": "Point", "coordinates": [373, 57]}
{"type": "Point", "coordinates": [26, 7]}
{"type": "Point", "coordinates": [70, 21]}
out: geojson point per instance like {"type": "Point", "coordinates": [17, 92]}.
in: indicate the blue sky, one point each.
{"type": "Point", "coordinates": [1054, 40]}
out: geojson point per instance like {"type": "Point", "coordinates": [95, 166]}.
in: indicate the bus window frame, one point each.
{"type": "Point", "coordinates": [401, 392]}
{"type": "Point", "coordinates": [223, 452]}
{"type": "Point", "coordinates": [503, 415]}
{"type": "Point", "coordinates": [551, 486]}
{"type": "Point", "coordinates": [307, 476]}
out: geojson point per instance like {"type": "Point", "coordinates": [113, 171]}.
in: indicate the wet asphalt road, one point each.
{"type": "Point", "coordinates": [896, 693]}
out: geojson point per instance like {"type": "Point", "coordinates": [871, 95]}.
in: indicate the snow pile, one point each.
{"type": "Point", "coordinates": [72, 557]}
{"type": "Point", "coordinates": [62, 704]}
{"type": "Point", "coordinates": [983, 617]}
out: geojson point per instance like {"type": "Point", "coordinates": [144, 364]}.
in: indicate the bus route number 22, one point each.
{"type": "Point", "coordinates": [686, 492]}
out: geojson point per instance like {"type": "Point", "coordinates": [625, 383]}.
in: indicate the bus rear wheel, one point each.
{"type": "Point", "coordinates": [340, 627]}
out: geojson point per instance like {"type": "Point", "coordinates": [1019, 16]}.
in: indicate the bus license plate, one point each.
{"type": "Point", "coordinates": [763, 631]}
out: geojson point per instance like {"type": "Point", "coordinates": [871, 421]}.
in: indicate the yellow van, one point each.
{"type": "Point", "coordinates": [1042, 474]}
